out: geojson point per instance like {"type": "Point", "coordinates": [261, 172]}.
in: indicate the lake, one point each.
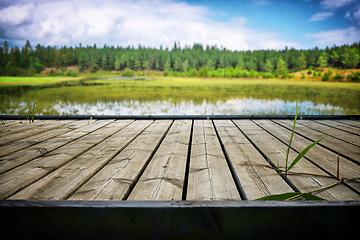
{"type": "Point", "coordinates": [182, 96]}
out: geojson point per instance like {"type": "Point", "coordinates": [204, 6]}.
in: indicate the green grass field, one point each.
{"type": "Point", "coordinates": [30, 81]}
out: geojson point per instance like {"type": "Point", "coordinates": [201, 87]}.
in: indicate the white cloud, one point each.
{"type": "Point", "coordinates": [347, 15]}
{"type": "Point", "coordinates": [130, 22]}
{"type": "Point", "coordinates": [15, 15]}
{"type": "Point", "coordinates": [321, 16]}
{"type": "Point", "coordinates": [357, 15]}
{"type": "Point", "coordinates": [329, 4]}
{"type": "Point", "coordinates": [336, 36]}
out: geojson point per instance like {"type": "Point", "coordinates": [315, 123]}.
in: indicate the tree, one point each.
{"type": "Point", "coordinates": [281, 69]}
{"type": "Point", "coordinates": [167, 66]}
{"type": "Point", "coordinates": [209, 63]}
{"type": "Point", "coordinates": [301, 61]}
{"type": "Point", "coordinates": [345, 58]}
{"type": "Point", "coordinates": [104, 61]}
{"type": "Point", "coordinates": [117, 63]}
{"type": "Point", "coordinates": [321, 62]}
{"type": "Point", "coordinates": [83, 62]}
{"type": "Point", "coordinates": [185, 65]}
{"type": "Point", "coordinates": [334, 57]}
{"type": "Point", "coordinates": [177, 64]}
{"type": "Point", "coordinates": [353, 58]}
{"type": "Point", "coordinates": [240, 63]}
{"type": "Point", "coordinates": [268, 66]}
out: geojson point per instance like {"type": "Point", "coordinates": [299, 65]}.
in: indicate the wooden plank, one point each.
{"type": "Point", "coordinates": [18, 158]}
{"type": "Point", "coordinates": [28, 173]}
{"type": "Point", "coordinates": [118, 176]}
{"type": "Point", "coordinates": [350, 122]}
{"type": "Point", "coordinates": [276, 151]}
{"type": "Point", "coordinates": [330, 142]}
{"type": "Point", "coordinates": [340, 126]}
{"type": "Point", "coordinates": [24, 126]}
{"type": "Point", "coordinates": [34, 131]}
{"type": "Point", "coordinates": [319, 155]}
{"type": "Point", "coordinates": [12, 123]}
{"type": "Point", "coordinates": [163, 178]}
{"type": "Point", "coordinates": [351, 138]}
{"type": "Point", "coordinates": [209, 175]}
{"type": "Point", "coordinates": [255, 177]}
{"type": "Point", "coordinates": [61, 183]}
{"type": "Point", "coordinates": [35, 139]}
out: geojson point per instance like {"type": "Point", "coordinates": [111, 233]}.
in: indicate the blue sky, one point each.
{"type": "Point", "coordinates": [234, 24]}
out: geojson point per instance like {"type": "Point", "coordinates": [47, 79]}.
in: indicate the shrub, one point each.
{"type": "Point", "coordinates": [127, 72]}
{"type": "Point", "coordinates": [203, 72]}
{"type": "Point", "coordinates": [326, 77]}
{"type": "Point", "coordinates": [356, 77]}
{"type": "Point", "coordinates": [38, 68]}
{"type": "Point", "coordinates": [309, 71]}
{"type": "Point", "coordinates": [72, 73]}
{"type": "Point", "coordinates": [338, 77]}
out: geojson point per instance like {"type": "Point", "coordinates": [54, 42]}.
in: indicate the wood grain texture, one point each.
{"type": "Point", "coordinates": [251, 168]}
{"type": "Point", "coordinates": [331, 142]}
{"type": "Point", "coordinates": [33, 131]}
{"type": "Point", "coordinates": [18, 158]}
{"type": "Point", "coordinates": [276, 151]}
{"type": "Point", "coordinates": [340, 126]}
{"type": "Point", "coordinates": [209, 175]}
{"type": "Point", "coordinates": [32, 140]}
{"type": "Point", "coordinates": [64, 181]}
{"type": "Point", "coordinates": [349, 122]}
{"type": "Point", "coordinates": [119, 175]}
{"type": "Point", "coordinates": [346, 136]}
{"type": "Point", "coordinates": [163, 178]}
{"type": "Point", "coordinates": [28, 173]}
{"type": "Point", "coordinates": [319, 155]}
{"type": "Point", "coordinates": [21, 126]}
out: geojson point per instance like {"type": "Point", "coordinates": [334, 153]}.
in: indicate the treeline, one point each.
{"type": "Point", "coordinates": [28, 60]}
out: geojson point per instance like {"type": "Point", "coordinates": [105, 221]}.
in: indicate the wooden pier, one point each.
{"type": "Point", "coordinates": [158, 168]}
{"type": "Point", "coordinates": [181, 159]}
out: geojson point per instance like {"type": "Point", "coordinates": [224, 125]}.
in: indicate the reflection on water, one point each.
{"type": "Point", "coordinates": [180, 97]}
{"type": "Point", "coordinates": [245, 106]}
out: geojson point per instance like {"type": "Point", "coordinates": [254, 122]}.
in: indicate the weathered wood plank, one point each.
{"type": "Point", "coordinates": [34, 131]}
{"type": "Point", "coordinates": [330, 142]}
{"type": "Point", "coordinates": [21, 127]}
{"type": "Point", "coordinates": [13, 123]}
{"type": "Point", "coordinates": [349, 122]}
{"type": "Point", "coordinates": [354, 139]}
{"type": "Point", "coordinates": [319, 155]}
{"type": "Point", "coordinates": [251, 168]}
{"type": "Point", "coordinates": [35, 139]}
{"type": "Point", "coordinates": [209, 175]}
{"type": "Point", "coordinates": [340, 126]}
{"type": "Point", "coordinates": [61, 183]}
{"type": "Point", "coordinates": [18, 158]}
{"type": "Point", "coordinates": [163, 178]}
{"type": "Point", "coordinates": [115, 180]}
{"type": "Point", "coordinates": [276, 151]}
{"type": "Point", "coordinates": [26, 174]}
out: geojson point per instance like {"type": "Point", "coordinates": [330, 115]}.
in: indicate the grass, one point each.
{"type": "Point", "coordinates": [296, 195]}
{"type": "Point", "coordinates": [31, 81]}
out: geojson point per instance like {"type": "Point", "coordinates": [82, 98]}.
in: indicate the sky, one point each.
{"type": "Point", "coordinates": [231, 24]}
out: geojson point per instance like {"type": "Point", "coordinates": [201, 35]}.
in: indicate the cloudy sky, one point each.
{"type": "Point", "coordinates": [234, 24]}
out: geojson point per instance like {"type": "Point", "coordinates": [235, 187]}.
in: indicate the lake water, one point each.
{"type": "Point", "coordinates": [157, 97]}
